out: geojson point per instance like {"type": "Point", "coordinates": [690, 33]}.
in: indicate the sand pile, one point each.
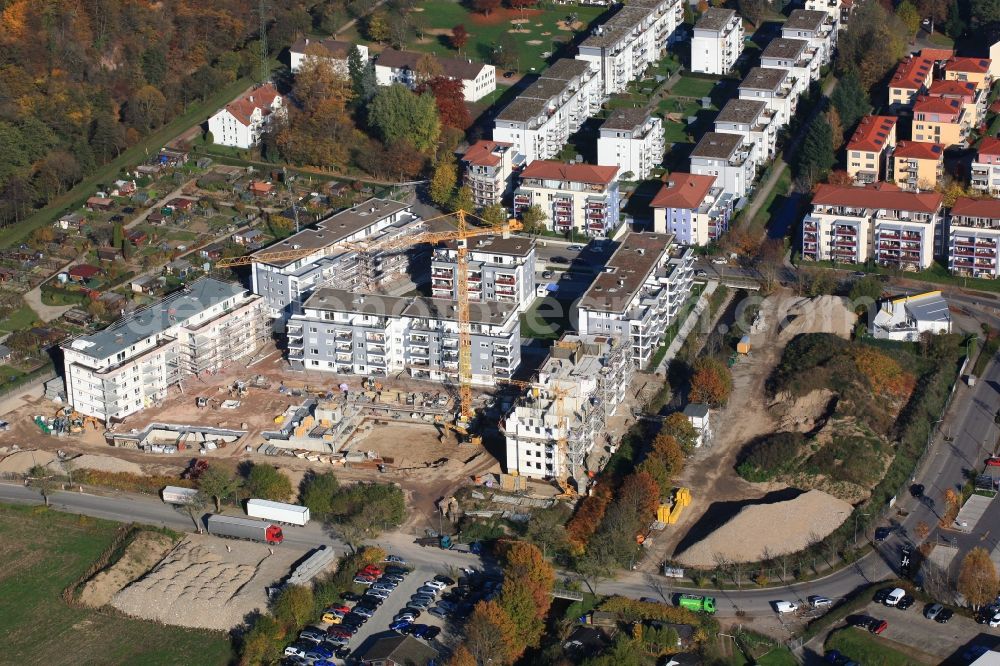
{"type": "Point", "coordinates": [805, 412]}
{"type": "Point", "coordinates": [146, 549]}
{"type": "Point", "coordinates": [199, 584]}
{"type": "Point", "coordinates": [782, 527]}
{"type": "Point", "coordinates": [103, 464]}
{"type": "Point", "coordinates": [22, 461]}
{"type": "Point", "coordinates": [823, 314]}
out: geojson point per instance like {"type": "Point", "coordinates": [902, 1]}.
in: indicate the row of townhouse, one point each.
{"type": "Point", "coordinates": [348, 333]}
{"type": "Point", "coordinates": [631, 40]}
{"type": "Point", "coordinates": [133, 363]}
{"type": "Point", "coordinates": [285, 283]}
{"type": "Point", "coordinates": [639, 294]}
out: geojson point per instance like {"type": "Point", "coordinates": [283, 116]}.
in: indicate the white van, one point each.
{"type": "Point", "coordinates": [785, 607]}
{"type": "Point", "coordinates": [895, 596]}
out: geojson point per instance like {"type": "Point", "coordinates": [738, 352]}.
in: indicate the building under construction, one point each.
{"type": "Point", "coordinates": [562, 417]}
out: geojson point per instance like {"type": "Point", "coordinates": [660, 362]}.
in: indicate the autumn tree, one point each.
{"type": "Point", "coordinates": [147, 108]}
{"type": "Point", "coordinates": [909, 16]}
{"type": "Point", "coordinates": [711, 383]}
{"type": "Point", "coordinates": [977, 580]}
{"type": "Point", "coordinates": [449, 95]}
{"type": "Point", "coordinates": [459, 37]}
{"type": "Point", "coordinates": [840, 177]}
{"type": "Point", "coordinates": [463, 199]}
{"type": "Point", "coordinates": [428, 67]}
{"type": "Point", "coordinates": [494, 215]}
{"type": "Point", "coordinates": [533, 218]}
{"type": "Point", "coordinates": [294, 606]}
{"type": "Point", "coordinates": [952, 503]}
{"type": "Point", "coordinates": [490, 634]}
{"type": "Point", "coordinates": [443, 181]}
{"type": "Point", "coordinates": [461, 656]}
{"type": "Point", "coordinates": [588, 516]}
{"type": "Point", "coordinates": [485, 7]}
{"type": "Point", "coordinates": [836, 128]}
{"type": "Point", "coordinates": [318, 82]}
{"type": "Point", "coordinates": [398, 114]}
{"type": "Point", "coordinates": [752, 10]}
{"type": "Point", "coordinates": [267, 482]}
{"type": "Point", "coordinates": [377, 27]}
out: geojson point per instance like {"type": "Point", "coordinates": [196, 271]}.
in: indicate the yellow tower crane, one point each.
{"type": "Point", "coordinates": [460, 235]}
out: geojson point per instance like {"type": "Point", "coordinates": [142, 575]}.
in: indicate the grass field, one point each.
{"type": "Point", "coordinates": [41, 553]}
{"type": "Point", "coordinates": [862, 647]}
{"type": "Point", "coordinates": [19, 319]}
{"type": "Point", "coordinates": [689, 86]}
{"type": "Point", "coordinates": [439, 16]}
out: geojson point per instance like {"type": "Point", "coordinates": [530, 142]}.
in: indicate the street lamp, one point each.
{"type": "Point", "coordinates": [856, 514]}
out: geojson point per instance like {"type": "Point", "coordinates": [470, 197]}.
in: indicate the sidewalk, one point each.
{"type": "Point", "coordinates": [689, 323]}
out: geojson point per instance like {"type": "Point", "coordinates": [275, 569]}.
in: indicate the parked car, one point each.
{"type": "Point", "coordinates": [376, 597]}
{"type": "Point", "coordinates": [335, 643]}
{"type": "Point", "coordinates": [508, 74]}
{"type": "Point", "coordinates": [785, 607]}
{"type": "Point", "coordinates": [420, 604]}
{"type": "Point", "coordinates": [701, 273]}
{"type": "Point", "coordinates": [400, 625]}
{"type": "Point", "coordinates": [945, 615]}
{"type": "Point", "coordinates": [371, 570]}
{"type": "Point", "coordinates": [342, 653]}
{"type": "Point", "coordinates": [386, 585]}
{"type": "Point", "coordinates": [397, 570]}
{"type": "Point", "coordinates": [877, 626]}
{"type": "Point", "coordinates": [893, 597]}
{"type": "Point", "coordinates": [574, 248]}
{"type": "Point", "coordinates": [350, 596]}
{"type": "Point", "coordinates": [319, 652]}
{"type": "Point", "coordinates": [932, 611]}
{"type": "Point", "coordinates": [917, 490]}
{"type": "Point", "coordinates": [559, 260]}
{"type": "Point", "coordinates": [364, 580]}
{"type": "Point", "coordinates": [364, 611]}
{"type": "Point", "coordinates": [312, 634]}
{"type": "Point", "coordinates": [436, 584]}
{"type": "Point", "coordinates": [395, 559]}
{"type": "Point", "coordinates": [882, 533]}
{"type": "Point", "coordinates": [882, 595]}
{"type": "Point", "coordinates": [444, 580]}
{"type": "Point", "coordinates": [297, 650]}
{"type": "Point", "coordinates": [409, 616]}
{"type": "Point", "coordinates": [906, 602]}
{"type": "Point", "coordinates": [432, 633]}
{"type": "Point", "coordinates": [438, 611]}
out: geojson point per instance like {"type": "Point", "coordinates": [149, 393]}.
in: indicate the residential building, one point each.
{"type": "Point", "coordinates": [134, 362]}
{"type": "Point", "coordinates": [917, 166]}
{"type": "Point", "coordinates": [913, 77]}
{"type": "Point", "coordinates": [839, 11]}
{"type": "Point", "coordinates": [631, 40]}
{"type": "Point", "coordinates": [973, 235]}
{"type": "Point", "coordinates": [331, 50]}
{"type": "Point", "coordinates": [487, 168]}
{"type": "Point", "coordinates": [717, 42]}
{"type": "Point", "coordinates": [986, 167]}
{"type": "Point", "coordinates": [639, 294]}
{"type": "Point", "coordinates": [350, 333]}
{"type": "Point", "coordinates": [241, 122]}
{"type": "Point", "coordinates": [398, 650]}
{"type": "Point", "coordinates": [392, 66]}
{"type": "Point", "coordinates": [286, 283]}
{"type": "Point", "coordinates": [907, 318]}
{"type": "Point", "coordinates": [692, 208]}
{"type": "Point", "coordinates": [632, 140]}
{"type": "Point", "coordinates": [576, 196]}
{"type": "Point", "coordinates": [798, 56]}
{"type": "Point", "coordinates": [879, 222]}
{"type": "Point", "coordinates": [778, 88]}
{"type": "Point", "coordinates": [975, 70]}
{"type": "Point", "coordinates": [538, 122]}
{"type": "Point", "coordinates": [698, 415]}
{"type": "Point", "coordinates": [560, 422]}
{"type": "Point", "coordinates": [868, 148]}
{"type": "Point", "coordinates": [755, 122]}
{"type": "Point", "coordinates": [816, 27]}
{"type": "Point", "coordinates": [939, 120]}
{"type": "Point", "coordinates": [971, 97]}
{"type": "Point", "coordinates": [499, 269]}
{"type": "Point", "coordinates": [71, 222]}
{"type": "Point", "coordinates": [729, 157]}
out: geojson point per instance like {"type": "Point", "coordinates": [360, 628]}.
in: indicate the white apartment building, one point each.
{"type": "Point", "coordinates": [392, 66]}
{"type": "Point", "coordinates": [816, 27]}
{"type": "Point", "coordinates": [798, 56]}
{"type": "Point", "coordinates": [630, 41]}
{"type": "Point", "coordinates": [778, 88]}
{"type": "Point", "coordinates": [839, 11]}
{"type": "Point", "coordinates": [908, 317]}
{"type": "Point", "coordinates": [348, 333]}
{"type": "Point", "coordinates": [241, 122]}
{"type": "Point", "coordinates": [986, 167]}
{"type": "Point", "coordinates": [286, 283]}
{"type": "Point", "coordinates": [973, 237]}
{"type": "Point", "coordinates": [755, 122]}
{"type": "Point", "coordinates": [556, 428]}
{"type": "Point", "coordinates": [692, 208]}
{"type": "Point", "coordinates": [730, 158]}
{"type": "Point", "coordinates": [331, 50]}
{"type": "Point", "coordinates": [487, 168]}
{"type": "Point", "coordinates": [500, 269]}
{"type": "Point", "coordinates": [717, 42]}
{"type": "Point", "coordinates": [538, 122]}
{"type": "Point", "coordinates": [133, 363]}
{"type": "Point", "coordinates": [639, 293]}
{"type": "Point", "coordinates": [576, 196]}
{"type": "Point", "coordinates": [631, 139]}
{"type": "Point", "coordinates": [879, 222]}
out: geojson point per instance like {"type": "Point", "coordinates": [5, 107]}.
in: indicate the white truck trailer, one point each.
{"type": "Point", "coordinates": [278, 512]}
{"type": "Point", "coordinates": [178, 495]}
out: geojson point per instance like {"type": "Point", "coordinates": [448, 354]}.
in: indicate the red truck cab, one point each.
{"type": "Point", "coordinates": [273, 535]}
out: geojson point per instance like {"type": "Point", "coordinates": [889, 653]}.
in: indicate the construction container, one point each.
{"type": "Point", "coordinates": [743, 346]}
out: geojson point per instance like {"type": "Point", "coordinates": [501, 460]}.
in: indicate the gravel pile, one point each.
{"type": "Point", "coordinates": [22, 461]}
{"type": "Point", "coordinates": [104, 464]}
{"type": "Point", "coordinates": [782, 527]}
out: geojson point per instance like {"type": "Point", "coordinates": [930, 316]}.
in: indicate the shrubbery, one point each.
{"type": "Point", "coordinates": [771, 455]}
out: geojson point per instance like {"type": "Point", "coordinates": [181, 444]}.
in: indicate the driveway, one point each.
{"type": "Point", "coordinates": [46, 312]}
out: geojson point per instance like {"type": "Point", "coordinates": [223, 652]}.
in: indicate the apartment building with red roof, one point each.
{"type": "Point", "coordinates": [913, 77]}
{"type": "Point", "coordinates": [487, 168]}
{"type": "Point", "coordinates": [973, 237]}
{"type": "Point", "coordinates": [867, 149]}
{"type": "Point", "coordinates": [581, 197]}
{"type": "Point", "coordinates": [940, 120]}
{"type": "Point", "coordinates": [986, 167]}
{"type": "Point", "coordinates": [917, 166]}
{"type": "Point", "coordinates": [976, 70]}
{"type": "Point", "coordinates": [240, 123]}
{"type": "Point", "coordinates": [692, 207]}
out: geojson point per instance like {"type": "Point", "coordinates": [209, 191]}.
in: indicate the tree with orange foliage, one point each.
{"type": "Point", "coordinates": [840, 177]}
{"type": "Point", "coordinates": [952, 503]}
{"type": "Point", "coordinates": [588, 516]}
{"type": "Point", "coordinates": [712, 382]}
{"type": "Point", "coordinates": [449, 96]}
{"type": "Point", "coordinates": [459, 37]}
{"type": "Point", "coordinates": [884, 374]}
{"type": "Point", "coordinates": [490, 635]}
{"type": "Point", "coordinates": [462, 657]}
{"type": "Point", "coordinates": [641, 494]}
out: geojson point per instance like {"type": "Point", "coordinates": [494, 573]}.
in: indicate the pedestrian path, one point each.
{"type": "Point", "coordinates": [689, 323]}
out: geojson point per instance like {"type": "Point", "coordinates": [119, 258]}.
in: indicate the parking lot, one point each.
{"type": "Point", "coordinates": [911, 628]}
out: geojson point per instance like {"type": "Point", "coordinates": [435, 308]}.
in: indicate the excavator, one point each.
{"type": "Point", "coordinates": [76, 422]}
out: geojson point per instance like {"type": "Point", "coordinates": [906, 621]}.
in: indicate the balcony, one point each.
{"type": "Point", "coordinates": [506, 279]}
{"type": "Point", "coordinates": [375, 337]}
{"type": "Point", "coordinates": [344, 335]}
{"type": "Point", "coordinates": [983, 242]}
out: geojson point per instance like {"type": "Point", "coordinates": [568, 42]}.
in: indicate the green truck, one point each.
{"type": "Point", "coordinates": [696, 603]}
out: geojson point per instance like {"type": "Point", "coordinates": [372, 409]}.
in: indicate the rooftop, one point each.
{"type": "Point", "coordinates": [926, 307]}
{"type": "Point", "coordinates": [698, 410]}
{"type": "Point", "coordinates": [975, 65]}
{"type": "Point", "coordinates": [454, 68]}
{"type": "Point", "coordinates": [683, 190]}
{"type": "Point", "coordinates": [485, 153]}
{"type": "Point", "coordinates": [400, 650]}
{"type": "Point", "coordinates": [619, 26]}
{"type": "Point", "coordinates": [174, 309]}
{"type": "Point", "coordinates": [242, 108]}
{"type": "Point", "coordinates": [872, 133]}
{"type": "Point", "coordinates": [626, 119]}
{"type": "Point", "coordinates": [952, 87]}
{"type": "Point", "coordinates": [990, 146]}
{"type": "Point", "coordinates": [764, 78]}
{"type": "Point", "coordinates": [573, 173]}
{"type": "Point", "coordinates": [514, 246]}
{"type": "Point", "coordinates": [566, 69]}
{"type": "Point", "coordinates": [879, 196]}
{"type": "Point", "coordinates": [941, 105]}
{"type": "Point", "coordinates": [785, 48]}
{"type": "Point", "coordinates": [912, 73]}
{"type": "Point", "coordinates": [717, 145]}
{"type": "Point", "coordinates": [522, 109]}
{"type": "Point", "coordinates": [336, 228]}
{"type": "Point", "coordinates": [626, 271]}
{"type": "Point", "coordinates": [988, 208]}
{"type": "Point", "coordinates": [805, 19]}
{"type": "Point", "coordinates": [937, 55]}
{"type": "Point", "coordinates": [743, 111]}
{"type": "Point", "coordinates": [919, 150]}
{"type": "Point", "coordinates": [715, 18]}
{"type": "Point", "coordinates": [340, 300]}
{"type": "Point", "coordinates": [330, 48]}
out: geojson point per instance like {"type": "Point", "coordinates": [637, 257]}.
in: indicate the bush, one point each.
{"type": "Point", "coordinates": [125, 481]}
{"type": "Point", "coordinates": [770, 456]}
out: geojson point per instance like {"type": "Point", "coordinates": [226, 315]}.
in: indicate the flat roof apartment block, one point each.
{"type": "Point", "coordinates": [500, 269]}
{"type": "Point", "coordinates": [717, 42]}
{"type": "Point", "coordinates": [633, 140]}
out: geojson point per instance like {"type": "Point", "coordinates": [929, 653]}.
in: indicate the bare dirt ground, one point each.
{"type": "Point", "coordinates": [206, 582]}
{"type": "Point", "coordinates": [146, 549]}
{"type": "Point", "coordinates": [710, 472]}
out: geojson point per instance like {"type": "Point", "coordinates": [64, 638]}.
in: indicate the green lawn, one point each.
{"type": "Point", "coordinates": [937, 274]}
{"type": "Point", "coordinates": [19, 319]}
{"type": "Point", "coordinates": [865, 648]}
{"type": "Point", "coordinates": [9, 374]}
{"type": "Point", "coordinates": [674, 132]}
{"type": "Point", "coordinates": [547, 319]}
{"type": "Point", "coordinates": [781, 656]}
{"type": "Point", "coordinates": [689, 86]}
{"type": "Point", "coordinates": [43, 552]}
{"type": "Point", "coordinates": [485, 31]}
